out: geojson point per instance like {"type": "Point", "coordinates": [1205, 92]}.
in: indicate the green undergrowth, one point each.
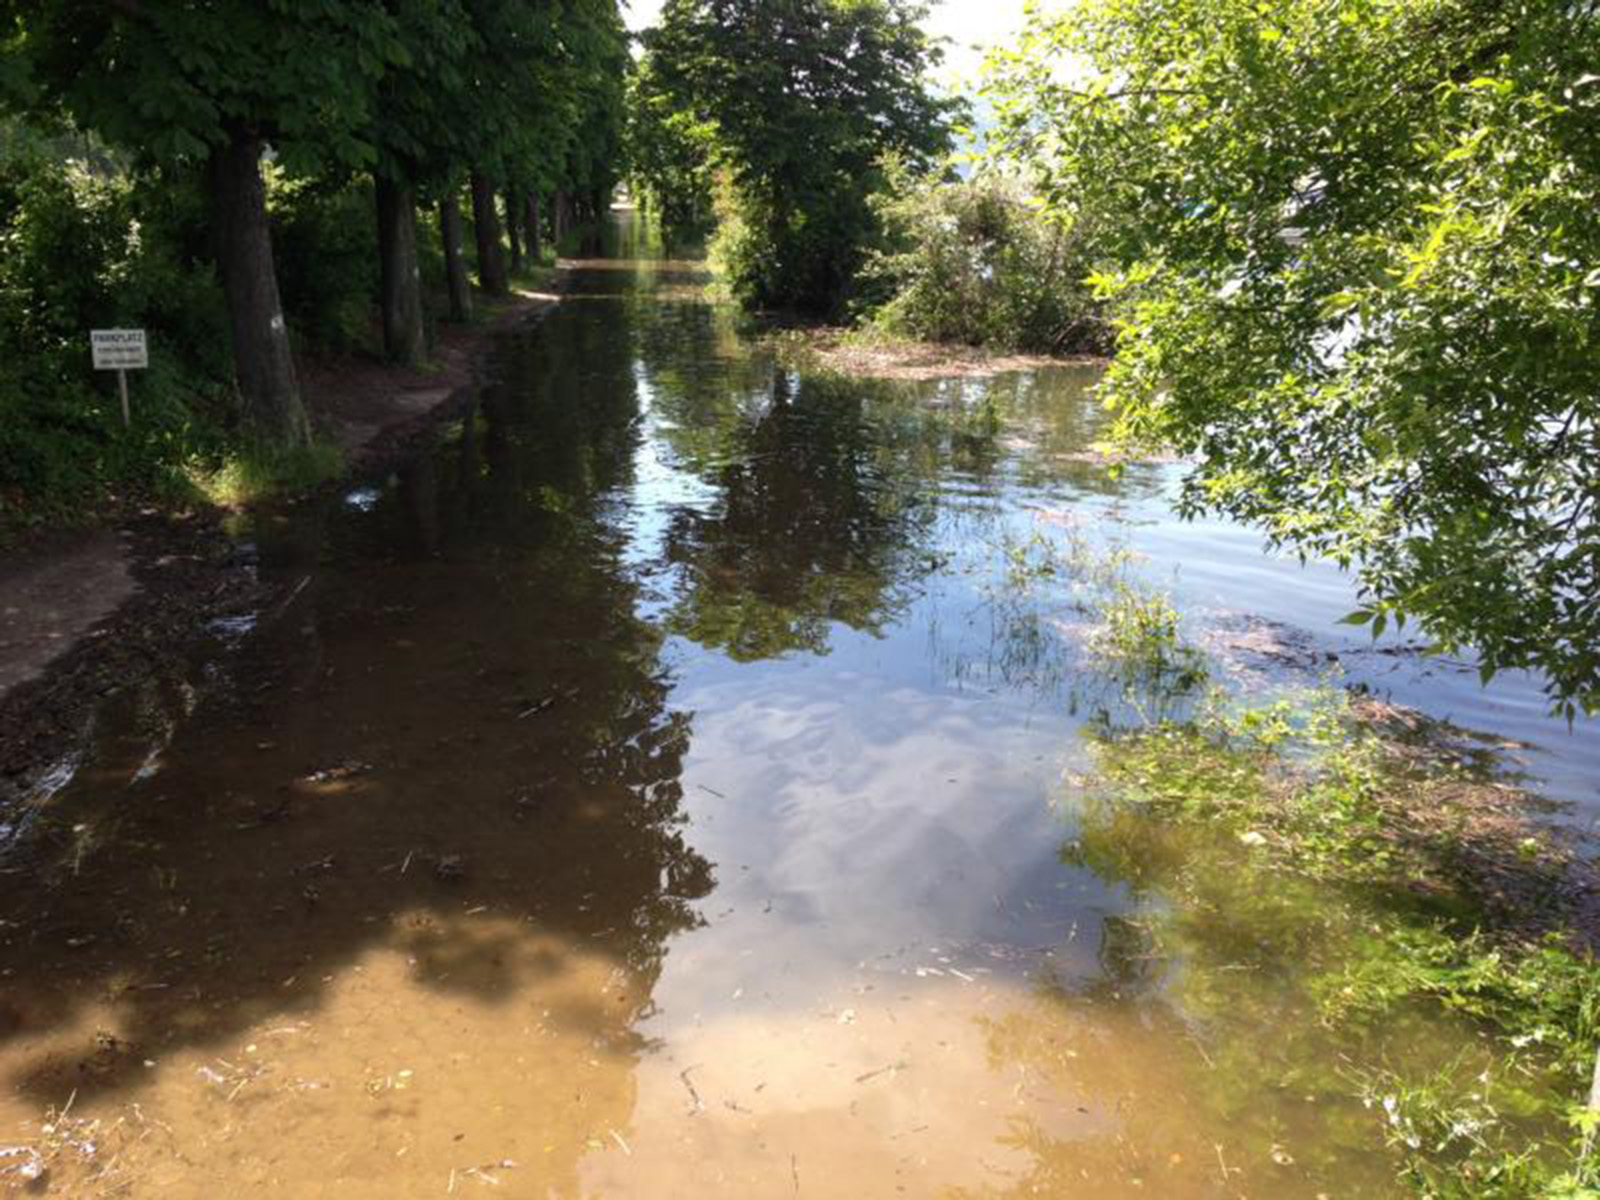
{"type": "Point", "coordinates": [1355, 910]}
{"type": "Point", "coordinates": [1364, 888]}
{"type": "Point", "coordinates": [90, 239]}
{"type": "Point", "coordinates": [251, 475]}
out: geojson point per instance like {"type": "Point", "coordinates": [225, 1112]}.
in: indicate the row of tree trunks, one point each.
{"type": "Point", "coordinates": [404, 334]}
{"type": "Point", "coordinates": [264, 365]}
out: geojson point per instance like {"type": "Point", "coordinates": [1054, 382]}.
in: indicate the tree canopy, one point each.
{"type": "Point", "coordinates": [172, 81]}
{"type": "Point", "coordinates": [799, 101]}
{"type": "Point", "coordinates": [1352, 249]}
{"type": "Point", "coordinates": [523, 96]}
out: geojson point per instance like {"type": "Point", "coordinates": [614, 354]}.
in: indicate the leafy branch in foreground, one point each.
{"type": "Point", "coordinates": [1352, 249]}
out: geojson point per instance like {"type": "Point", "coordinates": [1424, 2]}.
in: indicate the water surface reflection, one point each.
{"type": "Point", "coordinates": [656, 788]}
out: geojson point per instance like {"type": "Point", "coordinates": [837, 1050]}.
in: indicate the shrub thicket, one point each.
{"type": "Point", "coordinates": [326, 248]}
{"type": "Point", "coordinates": [86, 244]}
{"type": "Point", "coordinates": [82, 250]}
{"type": "Point", "coordinates": [971, 261]}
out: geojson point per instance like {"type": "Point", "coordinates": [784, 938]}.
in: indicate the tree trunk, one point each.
{"type": "Point", "coordinates": [403, 340]}
{"type": "Point", "coordinates": [262, 360]}
{"type": "Point", "coordinates": [530, 220]}
{"type": "Point", "coordinates": [558, 218]}
{"type": "Point", "coordinates": [455, 266]}
{"type": "Point", "coordinates": [514, 230]}
{"type": "Point", "coordinates": [486, 226]}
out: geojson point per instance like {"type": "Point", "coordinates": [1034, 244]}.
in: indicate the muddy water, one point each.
{"type": "Point", "coordinates": [654, 790]}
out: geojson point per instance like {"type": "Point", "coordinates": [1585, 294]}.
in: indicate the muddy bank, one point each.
{"type": "Point", "coordinates": [844, 351]}
{"type": "Point", "coordinates": [182, 571]}
{"type": "Point", "coordinates": [50, 597]}
{"type": "Point", "coordinates": [87, 614]}
{"type": "Point", "coordinates": [374, 411]}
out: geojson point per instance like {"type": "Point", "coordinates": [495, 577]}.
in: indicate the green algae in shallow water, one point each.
{"type": "Point", "coordinates": [1326, 939]}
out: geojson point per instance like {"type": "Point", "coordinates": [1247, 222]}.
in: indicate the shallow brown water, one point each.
{"type": "Point", "coordinates": [648, 792]}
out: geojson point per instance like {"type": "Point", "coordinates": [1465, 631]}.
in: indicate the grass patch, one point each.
{"type": "Point", "coordinates": [1361, 881]}
{"type": "Point", "coordinates": [1408, 931]}
{"type": "Point", "coordinates": [250, 476]}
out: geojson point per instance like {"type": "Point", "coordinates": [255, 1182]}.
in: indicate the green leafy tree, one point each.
{"type": "Point", "coordinates": [213, 85]}
{"type": "Point", "coordinates": [544, 111]}
{"type": "Point", "coordinates": [502, 103]}
{"type": "Point", "coordinates": [417, 131]}
{"type": "Point", "coordinates": [1355, 248]}
{"type": "Point", "coordinates": [806, 97]}
{"type": "Point", "coordinates": [670, 152]}
{"type": "Point", "coordinates": [596, 67]}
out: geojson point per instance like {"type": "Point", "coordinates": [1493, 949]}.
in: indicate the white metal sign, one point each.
{"type": "Point", "coordinates": [119, 349]}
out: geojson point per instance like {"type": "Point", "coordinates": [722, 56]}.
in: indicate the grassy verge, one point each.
{"type": "Point", "coordinates": [249, 476]}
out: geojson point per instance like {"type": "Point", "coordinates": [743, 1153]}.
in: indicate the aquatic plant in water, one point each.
{"type": "Point", "coordinates": [1394, 916]}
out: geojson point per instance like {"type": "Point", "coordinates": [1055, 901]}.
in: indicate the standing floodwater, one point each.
{"type": "Point", "coordinates": [655, 789]}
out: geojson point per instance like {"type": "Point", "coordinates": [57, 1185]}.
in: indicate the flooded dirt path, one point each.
{"type": "Point", "coordinates": [650, 792]}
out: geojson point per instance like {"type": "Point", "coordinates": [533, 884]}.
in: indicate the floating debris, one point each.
{"type": "Point", "coordinates": [21, 1162]}
{"type": "Point", "coordinates": [339, 772]}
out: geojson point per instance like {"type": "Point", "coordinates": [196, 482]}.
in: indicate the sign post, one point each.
{"type": "Point", "coordinates": [120, 350]}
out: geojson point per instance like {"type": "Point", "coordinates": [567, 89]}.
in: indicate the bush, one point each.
{"type": "Point", "coordinates": [83, 249]}
{"type": "Point", "coordinates": [973, 262]}
{"type": "Point", "coordinates": [802, 259]}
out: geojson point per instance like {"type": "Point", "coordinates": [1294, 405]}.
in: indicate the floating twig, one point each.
{"type": "Point", "coordinates": [699, 1106]}
{"type": "Point", "coordinates": [894, 1066]}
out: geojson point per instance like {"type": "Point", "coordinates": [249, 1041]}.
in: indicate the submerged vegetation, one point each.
{"type": "Point", "coordinates": [1353, 875]}
{"type": "Point", "coordinates": [1406, 926]}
